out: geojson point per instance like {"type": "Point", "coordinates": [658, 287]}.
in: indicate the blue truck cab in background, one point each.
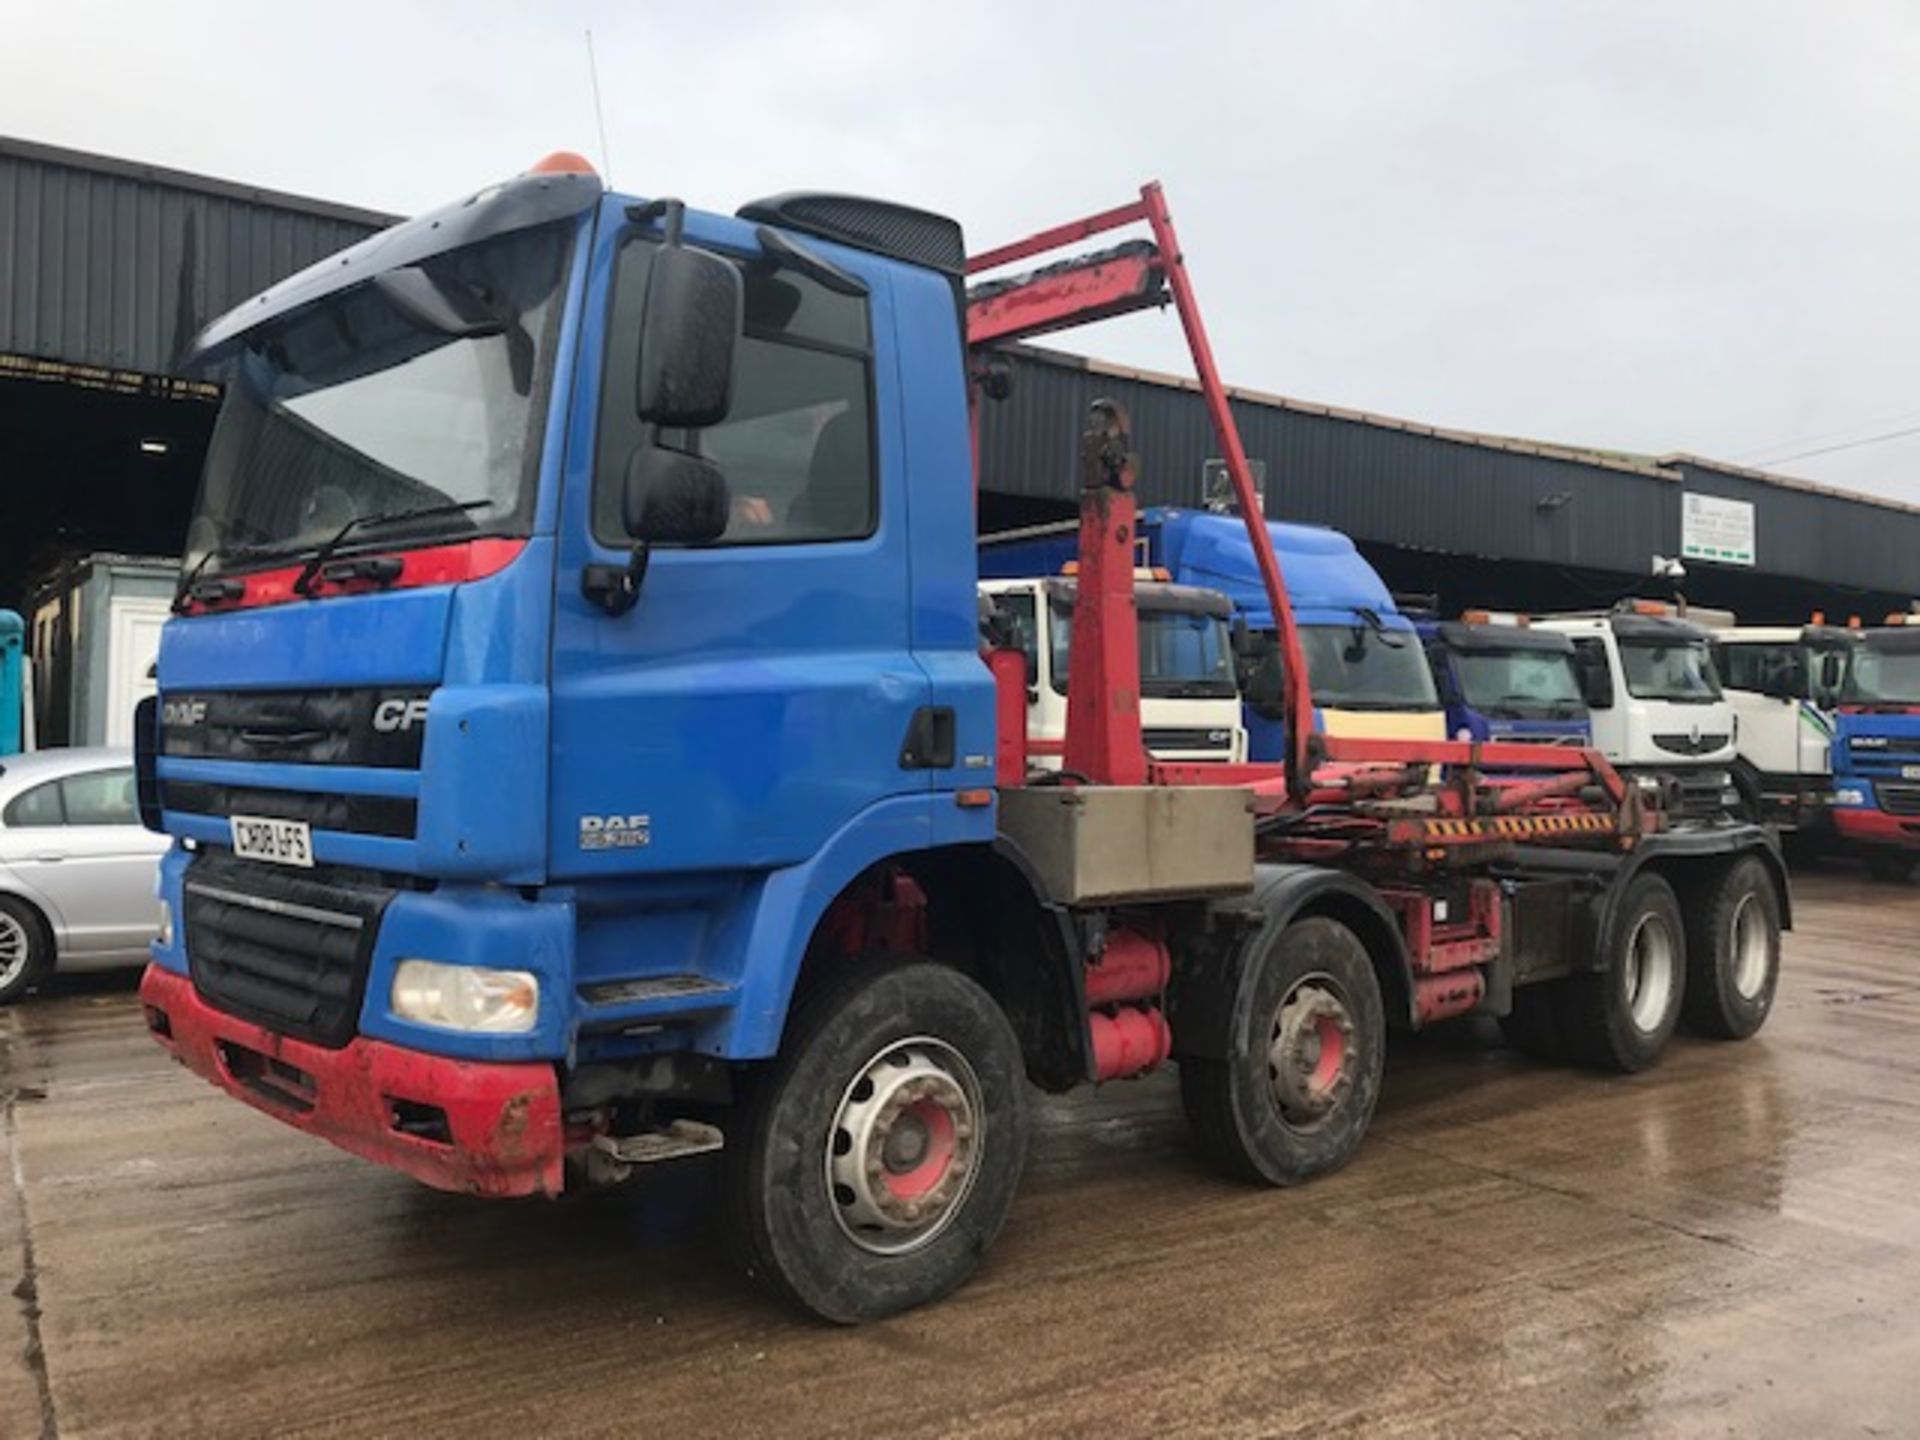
{"type": "Point", "coordinates": [1500, 679]}
{"type": "Point", "coordinates": [13, 663]}
{"type": "Point", "coordinates": [1876, 745]}
{"type": "Point", "coordinates": [1368, 674]}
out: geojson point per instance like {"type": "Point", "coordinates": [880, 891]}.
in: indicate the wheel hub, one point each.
{"type": "Point", "coordinates": [1650, 972]}
{"type": "Point", "coordinates": [1310, 1055]}
{"type": "Point", "coordinates": [902, 1148]}
{"type": "Point", "coordinates": [1751, 947]}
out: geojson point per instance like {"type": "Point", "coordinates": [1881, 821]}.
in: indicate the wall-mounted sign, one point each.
{"type": "Point", "coordinates": [1712, 528]}
{"type": "Point", "coordinates": [1216, 486]}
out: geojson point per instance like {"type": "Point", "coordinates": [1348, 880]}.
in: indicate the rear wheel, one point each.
{"type": "Point", "coordinates": [874, 1163]}
{"type": "Point", "coordinates": [1733, 954]}
{"type": "Point", "coordinates": [1297, 1089]}
{"type": "Point", "coordinates": [1622, 1016]}
{"type": "Point", "coordinates": [26, 949]}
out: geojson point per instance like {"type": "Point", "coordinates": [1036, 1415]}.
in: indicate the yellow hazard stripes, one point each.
{"type": "Point", "coordinates": [1516, 827]}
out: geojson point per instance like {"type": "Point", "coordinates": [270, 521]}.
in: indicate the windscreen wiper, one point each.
{"type": "Point", "coordinates": [188, 590]}
{"type": "Point", "coordinates": [310, 572]}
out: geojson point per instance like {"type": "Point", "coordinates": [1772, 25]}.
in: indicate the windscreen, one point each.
{"type": "Point", "coordinates": [1356, 667]}
{"type": "Point", "coordinates": [1183, 655]}
{"type": "Point", "coordinates": [360, 407]}
{"type": "Point", "coordinates": [1879, 676]}
{"type": "Point", "coordinates": [1679, 671]}
{"type": "Point", "coordinates": [1531, 684]}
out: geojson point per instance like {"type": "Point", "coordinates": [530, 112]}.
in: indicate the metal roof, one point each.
{"type": "Point", "coordinates": [1426, 487]}
{"type": "Point", "coordinates": [109, 263]}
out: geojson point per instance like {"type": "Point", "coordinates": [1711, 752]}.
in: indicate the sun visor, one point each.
{"type": "Point", "coordinates": [518, 204]}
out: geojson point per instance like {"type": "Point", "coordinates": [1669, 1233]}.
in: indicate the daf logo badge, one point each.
{"type": "Point", "coordinates": [183, 712]}
{"type": "Point", "coordinates": [615, 832]}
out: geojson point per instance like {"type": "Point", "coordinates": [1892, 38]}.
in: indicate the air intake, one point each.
{"type": "Point", "coordinates": [899, 231]}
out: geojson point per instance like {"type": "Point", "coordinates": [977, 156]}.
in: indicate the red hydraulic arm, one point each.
{"type": "Point", "coordinates": [1077, 292]}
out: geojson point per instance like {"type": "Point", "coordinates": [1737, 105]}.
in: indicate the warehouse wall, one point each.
{"type": "Point", "coordinates": [1421, 489]}
{"type": "Point", "coordinates": [109, 264]}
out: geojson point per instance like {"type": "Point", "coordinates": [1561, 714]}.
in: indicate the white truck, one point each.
{"type": "Point", "coordinates": [1656, 705]}
{"type": "Point", "coordinates": [1776, 681]}
{"type": "Point", "coordinates": [1189, 696]}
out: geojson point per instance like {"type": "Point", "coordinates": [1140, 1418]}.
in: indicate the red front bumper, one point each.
{"type": "Point", "coordinates": [483, 1129]}
{"type": "Point", "coordinates": [1876, 827]}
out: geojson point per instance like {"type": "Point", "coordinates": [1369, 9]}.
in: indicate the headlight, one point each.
{"type": "Point", "coordinates": [166, 926]}
{"type": "Point", "coordinates": [466, 997]}
{"type": "Point", "coordinates": [1848, 795]}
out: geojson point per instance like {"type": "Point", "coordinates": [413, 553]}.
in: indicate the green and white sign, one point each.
{"type": "Point", "coordinates": [1712, 528]}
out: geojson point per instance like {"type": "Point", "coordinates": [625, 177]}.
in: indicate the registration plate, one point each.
{"type": "Point", "coordinates": [284, 842]}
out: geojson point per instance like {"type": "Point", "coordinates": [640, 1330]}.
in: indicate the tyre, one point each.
{"type": "Point", "coordinates": [1893, 866]}
{"type": "Point", "coordinates": [1621, 1016]}
{"type": "Point", "coordinates": [26, 949]}
{"type": "Point", "coordinates": [1733, 954]}
{"type": "Point", "coordinates": [873, 1163]}
{"type": "Point", "coordinates": [1296, 1091]}
{"type": "Point", "coordinates": [1533, 1025]}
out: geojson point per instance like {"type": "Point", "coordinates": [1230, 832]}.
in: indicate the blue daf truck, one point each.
{"type": "Point", "coordinates": [1501, 679]}
{"type": "Point", "coordinates": [580, 754]}
{"type": "Point", "coordinates": [1876, 744]}
{"type": "Point", "coordinates": [1369, 677]}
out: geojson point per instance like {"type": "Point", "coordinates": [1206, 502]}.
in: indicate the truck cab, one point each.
{"type": "Point", "coordinates": [1655, 703]}
{"type": "Point", "coordinates": [1876, 745]}
{"type": "Point", "coordinates": [1189, 700]}
{"type": "Point", "coordinates": [1502, 679]}
{"type": "Point", "coordinates": [1365, 665]}
{"type": "Point", "coordinates": [1772, 676]}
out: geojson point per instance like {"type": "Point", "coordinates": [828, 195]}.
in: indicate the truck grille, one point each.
{"type": "Point", "coordinates": [359, 814]}
{"type": "Point", "coordinates": [1898, 799]}
{"type": "Point", "coordinates": [1692, 744]}
{"type": "Point", "coordinates": [1174, 738]}
{"type": "Point", "coordinates": [377, 728]}
{"type": "Point", "coordinates": [288, 950]}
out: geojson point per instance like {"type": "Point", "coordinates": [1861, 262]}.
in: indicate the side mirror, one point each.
{"type": "Point", "coordinates": [688, 335]}
{"type": "Point", "coordinates": [674, 498]}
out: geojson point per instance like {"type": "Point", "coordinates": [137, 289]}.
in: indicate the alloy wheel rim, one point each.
{"type": "Point", "coordinates": [904, 1146]}
{"type": "Point", "coordinates": [13, 949]}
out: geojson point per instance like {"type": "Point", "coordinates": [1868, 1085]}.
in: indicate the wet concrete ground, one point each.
{"type": "Point", "coordinates": [1727, 1246]}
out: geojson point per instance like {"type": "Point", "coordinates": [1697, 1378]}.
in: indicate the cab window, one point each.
{"type": "Point", "coordinates": [797, 446]}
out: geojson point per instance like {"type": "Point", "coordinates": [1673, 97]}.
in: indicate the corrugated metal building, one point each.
{"type": "Point", "coordinates": [109, 264]}
{"type": "Point", "coordinates": [1480, 518]}
{"type": "Point", "coordinates": [107, 267]}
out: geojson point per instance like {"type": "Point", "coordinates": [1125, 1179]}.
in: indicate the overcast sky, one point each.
{"type": "Point", "coordinates": [1646, 225]}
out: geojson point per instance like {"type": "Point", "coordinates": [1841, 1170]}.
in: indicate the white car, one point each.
{"type": "Point", "coordinates": [77, 869]}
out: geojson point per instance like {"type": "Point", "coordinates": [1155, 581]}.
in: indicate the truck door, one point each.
{"type": "Point", "coordinates": [759, 694]}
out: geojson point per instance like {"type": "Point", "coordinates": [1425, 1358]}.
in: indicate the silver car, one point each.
{"type": "Point", "coordinates": [77, 869]}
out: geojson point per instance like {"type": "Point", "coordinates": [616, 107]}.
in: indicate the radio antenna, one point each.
{"type": "Point", "coordinates": [599, 115]}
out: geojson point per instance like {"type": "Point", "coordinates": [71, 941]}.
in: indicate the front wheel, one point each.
{"type": "Point", "coordinates": [1296, 1090]}
{"type": "Point", "coordinates": [874, 1163]}
{"type": "Point", "coordinates": [1733, 953]}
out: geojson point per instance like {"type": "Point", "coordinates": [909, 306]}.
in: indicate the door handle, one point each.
{"type": "Point", "coordinates": [49, 857]}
